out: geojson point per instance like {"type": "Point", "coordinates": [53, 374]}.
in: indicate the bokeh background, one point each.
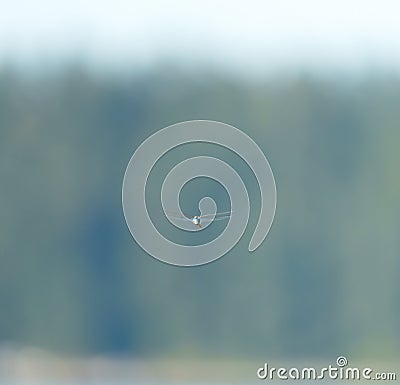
{"type": "Point", "coordinates": [82, 84]}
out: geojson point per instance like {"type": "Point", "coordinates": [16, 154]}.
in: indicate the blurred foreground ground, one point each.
{"type": "Point", "coordinates": [32, 366]}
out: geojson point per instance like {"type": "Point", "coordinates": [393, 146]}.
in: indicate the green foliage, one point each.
{"type": "Point", "coordinates": [324, 282]}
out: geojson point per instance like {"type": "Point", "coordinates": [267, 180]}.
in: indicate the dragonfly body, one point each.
{"type": "Point", "coordinates": [196, 221]}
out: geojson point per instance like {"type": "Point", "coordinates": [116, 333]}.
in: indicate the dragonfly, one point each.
{"type": "Point", "coordinates": [198, 219]}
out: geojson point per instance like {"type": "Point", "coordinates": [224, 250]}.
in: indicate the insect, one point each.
{"type": "Point", "coordinates": [198, 219]}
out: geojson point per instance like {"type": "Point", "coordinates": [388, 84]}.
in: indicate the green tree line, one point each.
{"type": "Point", "coordinates": [325, 281]}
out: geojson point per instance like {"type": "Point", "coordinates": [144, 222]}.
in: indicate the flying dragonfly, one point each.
{"type": "Point", "coordinates": [198, 219]}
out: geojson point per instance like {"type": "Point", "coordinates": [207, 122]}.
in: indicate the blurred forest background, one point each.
{"type": "Point", "coordinates": [72, 280]}
{"type": "Point", "coordinates": [84, 82]}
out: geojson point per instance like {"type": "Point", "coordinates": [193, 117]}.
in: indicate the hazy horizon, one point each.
{"type": "Point", "coordinates": [344, 36]}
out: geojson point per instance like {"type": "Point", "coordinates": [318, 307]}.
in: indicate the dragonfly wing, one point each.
{"type": "Point", "coordinates": [225, 213]}
{"type": "Point", "coordinates": [216, 219]}
{"type": "Point", "coordinates": [176, 215]}
{"type": "Point", "coordinates": [180, 217]}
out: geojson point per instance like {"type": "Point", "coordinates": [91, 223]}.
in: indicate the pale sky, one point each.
{"type": "Point", "coordinates": [342, 34]}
